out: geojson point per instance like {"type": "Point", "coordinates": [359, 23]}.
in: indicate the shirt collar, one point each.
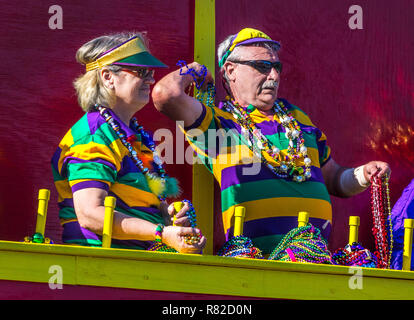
{"type": "Point", "coordinates": [130, 133]}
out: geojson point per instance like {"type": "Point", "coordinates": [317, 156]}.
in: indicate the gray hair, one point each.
{"type": "Point", "coordinates": [236, 54]}
{"type": "Point", "coordinates": [89, 86]}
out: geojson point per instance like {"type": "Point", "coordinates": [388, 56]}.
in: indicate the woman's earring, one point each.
{"type": "Point", "coordinates": [111, 86]}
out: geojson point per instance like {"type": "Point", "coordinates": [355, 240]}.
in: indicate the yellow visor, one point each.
{"type": "Point", "coordinates": [132, 52]}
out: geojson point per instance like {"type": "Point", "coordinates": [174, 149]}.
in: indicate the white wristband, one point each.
{"type": "Point", "coordinates": [359, 175]}
{"type": "Point", "coordinates": [352, 181]}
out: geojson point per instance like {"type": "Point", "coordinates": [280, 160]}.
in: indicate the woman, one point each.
{"type": "Point", "coordinates": [102, 155]}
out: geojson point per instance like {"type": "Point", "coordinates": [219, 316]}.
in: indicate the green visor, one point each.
{"type": "Point", "coordinates": [143, 59]}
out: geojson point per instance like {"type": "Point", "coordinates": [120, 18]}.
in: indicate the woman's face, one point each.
{"type": "Point", "coordinates": [131, 86]}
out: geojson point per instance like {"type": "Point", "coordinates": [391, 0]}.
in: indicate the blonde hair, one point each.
{"type": "Point", "coordinates": [89, 86]}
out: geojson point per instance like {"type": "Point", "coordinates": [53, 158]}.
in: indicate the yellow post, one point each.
{"type": "Point", "coordinates": [353, 229]}
{"type": "Point", "coordinates": [408, 243]}
{"type": "Point", "coordinates": [239, 215]}
{"type": "Point", "coordinates": [44, 196]}
{"type": "Point", "coordinates": [203, 180]}
{"type": "Point", "coordinates": [303, 218]}
{"type": "Point", "coordinates": [108, 221]}
{"type": "Point", "coordinates": [178, 205]}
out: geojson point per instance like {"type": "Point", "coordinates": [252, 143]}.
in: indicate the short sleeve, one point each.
{"type": "Point", "coordinates": [323, 149]}
{"type": "Point", "coordinates": [202, 135]}
{"type": "Point", "coordinates": [90, 163]}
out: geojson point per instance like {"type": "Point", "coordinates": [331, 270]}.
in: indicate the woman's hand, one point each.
{"type": "Point", "coordinates": [181, 218]}
{"type": "Point", "coordinates": [174, 237]}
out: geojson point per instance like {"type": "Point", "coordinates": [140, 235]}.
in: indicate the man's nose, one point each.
{"type": "Point", "coordinates": [273, 74]}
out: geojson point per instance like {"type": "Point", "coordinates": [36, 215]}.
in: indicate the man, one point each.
{"type": "Point", "coordinates": [297, 171]}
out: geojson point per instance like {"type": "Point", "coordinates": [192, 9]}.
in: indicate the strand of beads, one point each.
{"type": "Point", "coordinates": [159, 246]}
{"type": "Point", "coordinates": [211, 93]}
{"type": "Point", "coordinates": [355, 255]}
{"type": "Point", "coordinates": [159, 182]}
{"type": "Point", "coordinates": [193, 223]}
{"type": "Point", "coordinates": [259, 144]}
{"type": "Point", "coordinates": [388, 210]}
{"type": "Point", "coordinates": [196, 75]}
{"type": "Point", "coordinates": [381, 212]}
{"type": "Point", "coordinates": [303, 244]}
{"type": "Point", "coordinates": [241, 247]}
{"type": "Point", "coordinates": [293, 131]}
{"type": "Point", "coordinates": [37, 238]}
{"type": "Point", "coordinates": [201, 95]}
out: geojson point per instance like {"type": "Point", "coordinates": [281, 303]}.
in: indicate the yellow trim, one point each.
{"type": "Point", "coordinates": [203, 180]}
{"type": "Point", "coordinates": [73, 182]}
{"type": "Point", "coordinates": [353, 229]}
{"type": "Point", "coordinates": [43, 197]}
{"type": "Point", "coordinates": [285, 207]}
{"type": "Point", "coordinates": [62, 221]}
{"type": "Point", "coordinates": [110, 203]}
{"type": "Point", "coordinates": [129, 48]}
{"type": "Point", "coordinates": [144, 270]}
{"type": "Point", "coordinates": [408, 243]}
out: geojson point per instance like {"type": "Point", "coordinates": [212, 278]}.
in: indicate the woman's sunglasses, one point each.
{"type": "Point", "coordinates": [141, 72]}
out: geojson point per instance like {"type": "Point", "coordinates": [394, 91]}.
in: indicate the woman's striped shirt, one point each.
{"type": "Point", "coordinates": [91, 155]}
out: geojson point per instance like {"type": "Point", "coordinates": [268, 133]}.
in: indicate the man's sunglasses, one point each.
{"type": "Point", "coordinates": [141, 72]}
{"type": "Point", "coordinates": [263, 66]}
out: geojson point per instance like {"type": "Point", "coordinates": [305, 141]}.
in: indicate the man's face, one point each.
{"type": "Point", "coordinates": [249, 85]}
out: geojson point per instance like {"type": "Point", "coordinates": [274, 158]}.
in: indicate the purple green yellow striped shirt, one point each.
{"type": "Point", "coordinates": [91, 155]}
{"type": "Point", "coordinates": [272, 204]}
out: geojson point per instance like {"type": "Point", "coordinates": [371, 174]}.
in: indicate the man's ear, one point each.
{"type": "Point", "coordinates": [229, 68]}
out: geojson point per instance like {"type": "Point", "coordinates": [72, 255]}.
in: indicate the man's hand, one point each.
{"type": "Point", "coordinates": [371, 168]}
{"type": "Point", "coordinates": [345, 182]}
{"type": "Point", "coordinates": [169, 96]}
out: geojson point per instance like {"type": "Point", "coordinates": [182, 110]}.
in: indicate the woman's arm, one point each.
{"type": "Point", "coordinates": [90, 210]}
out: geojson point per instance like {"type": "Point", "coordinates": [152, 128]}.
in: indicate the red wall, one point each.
{"type": "Point", "coordinates": [38, 102]}
{"type": "Point", "coordinates": [356, 85]}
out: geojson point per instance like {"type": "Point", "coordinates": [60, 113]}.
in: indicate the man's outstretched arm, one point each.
{"type": "Point", "coordinates": [346, 182]}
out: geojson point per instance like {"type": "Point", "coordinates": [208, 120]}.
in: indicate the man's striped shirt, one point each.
{"type": "Point", "coordinates": [272, 204]}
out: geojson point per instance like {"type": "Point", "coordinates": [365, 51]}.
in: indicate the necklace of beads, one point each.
{"type": "Point", "coordinates": [303, 244]}
{"type": "Point", "coordinates": [196, 75]}
{"type": "Point", "coordinates": [240, 246]}
{"type": "Point", "coordinates": [162, 247]}
{"type": "Point", "coordinates": [381, 213]}
{"type": "Point", "coordinates": [355, 255]}
{"type": "Point", "coordinates": [193, 223]}
{"type": "Point", "coordinates": [259, 144]}
{"type": "Point", "coordinates": [158, 176]}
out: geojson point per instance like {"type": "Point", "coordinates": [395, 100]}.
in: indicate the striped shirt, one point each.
{"type": "Point", "coordinates": [91, 155]}
{"type": "Point", "coordinates": [272, 204]}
